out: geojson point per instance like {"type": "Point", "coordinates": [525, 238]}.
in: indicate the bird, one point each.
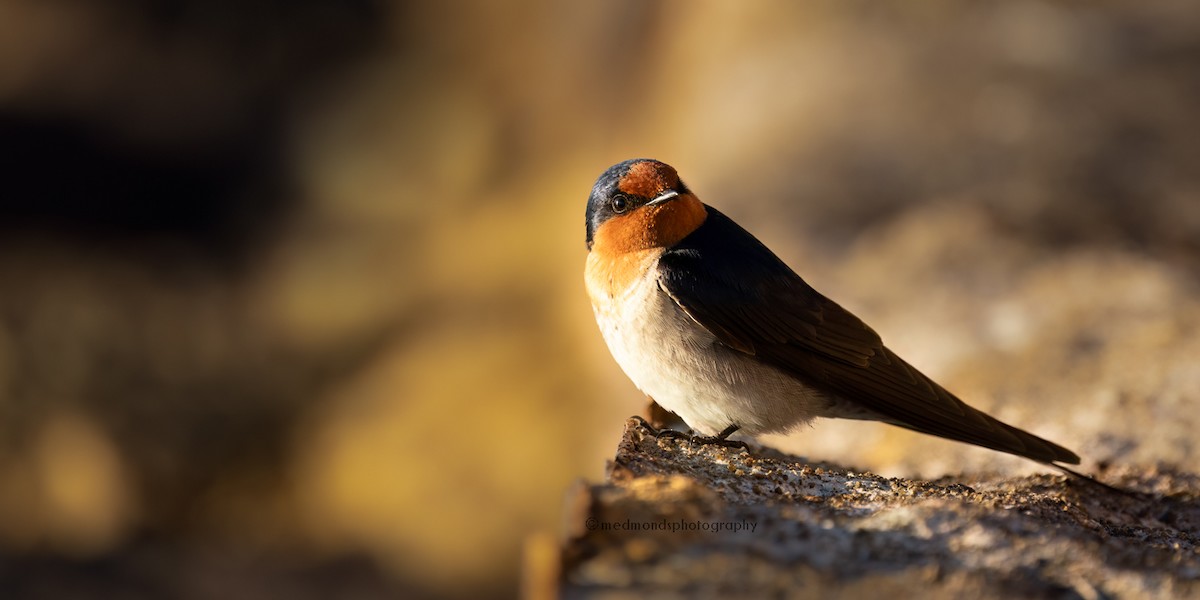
{"type": "Point", "coordinates": [714, 327]}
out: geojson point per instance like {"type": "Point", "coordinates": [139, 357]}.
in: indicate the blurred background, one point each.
{"type": "Point", "coordinates": [291, 296]}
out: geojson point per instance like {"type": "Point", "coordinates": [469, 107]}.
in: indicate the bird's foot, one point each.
{"type": "Point", "coordinates": [721, 439]}
{"type": "Point", "coordinates": [654, 431]}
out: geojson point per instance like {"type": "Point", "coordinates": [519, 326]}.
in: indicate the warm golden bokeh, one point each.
{"type": "Point", "coordinates": [291, 294]}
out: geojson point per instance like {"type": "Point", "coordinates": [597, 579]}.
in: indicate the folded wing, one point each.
{"type": "Point", "coordinates": [751, 301]}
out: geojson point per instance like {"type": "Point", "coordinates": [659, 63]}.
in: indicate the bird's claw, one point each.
{"type": "Point", "coordinates": [721, 439]}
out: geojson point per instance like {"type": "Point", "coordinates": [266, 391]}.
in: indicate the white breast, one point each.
{"type": "Point", "coordinates": [680, 364]}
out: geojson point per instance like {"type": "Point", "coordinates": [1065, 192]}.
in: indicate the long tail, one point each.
{"type": "Point", "coordinates": [1097, 482]}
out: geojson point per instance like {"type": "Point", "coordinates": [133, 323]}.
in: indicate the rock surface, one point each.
{"type": "Point", "coordinates": [676, 518]}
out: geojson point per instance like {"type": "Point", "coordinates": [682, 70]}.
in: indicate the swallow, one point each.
{"type": "Point", "coordinates": [709, 323]}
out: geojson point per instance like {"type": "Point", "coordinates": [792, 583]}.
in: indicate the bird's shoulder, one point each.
{"type": "Point", "coordinates": [732, 284]}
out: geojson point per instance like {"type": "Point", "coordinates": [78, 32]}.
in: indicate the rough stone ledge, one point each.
{"type": "Point", "coordinates": [788, 527]}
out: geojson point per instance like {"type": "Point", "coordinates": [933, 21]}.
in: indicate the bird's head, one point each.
{"type": "Point", "coordinates": [640, 204]}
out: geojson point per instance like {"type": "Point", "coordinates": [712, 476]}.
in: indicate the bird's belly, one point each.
{"type": "Point", "coordinates": [686, 370]}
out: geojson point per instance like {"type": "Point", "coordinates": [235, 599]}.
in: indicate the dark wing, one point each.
{"type": "Point", "coordinates": [750, 300]}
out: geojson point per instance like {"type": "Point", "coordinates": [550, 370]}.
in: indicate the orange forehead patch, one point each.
{"type": "Point", "coordinates": [648, 179]}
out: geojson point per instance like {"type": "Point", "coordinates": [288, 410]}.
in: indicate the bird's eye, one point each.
{"type": "Point", "coordinates": [620, 203]}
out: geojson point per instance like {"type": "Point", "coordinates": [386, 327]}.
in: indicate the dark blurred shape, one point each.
{"type": "Point", "coordinates": [66, 178]}
{"type": "Point", "coordinates": [173, 122]}
{"type": "Point", "coordinates": [146, 154]}
{"type": "Point", "coordinates": [161, 571]}
{"type": "Point", "coordinates": [167, 130]}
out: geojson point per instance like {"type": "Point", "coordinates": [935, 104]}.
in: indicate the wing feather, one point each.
{"type": "Point", "coordinates": [732, 285]}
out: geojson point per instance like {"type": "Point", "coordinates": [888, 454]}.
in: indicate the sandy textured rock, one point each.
{"type": "Point", "coordinates": [675, 518]}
